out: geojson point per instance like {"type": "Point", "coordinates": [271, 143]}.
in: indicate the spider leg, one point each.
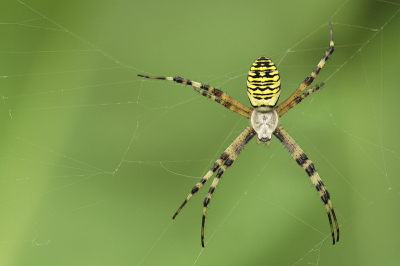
{"type": "Point", "coordinates": [298, 99]}
{"type": "Point", "coordinates": [224, 156]}
{"type": "Point", "coordinates": [312, 76]}
{"type": "Point", "coordinates": [228, 105]}
{"type": "Point", "coordinates": [298, 154]}
{"type": "Point", "coordinates": [249, 133]}
{"type": "Point", "coordinates": [233, 104]}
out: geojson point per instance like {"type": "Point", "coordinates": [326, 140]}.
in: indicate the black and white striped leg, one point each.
{"type": "Point", "coordinates": [312, 76]}
{"type": "Point", "coordinates": [218, 93]}
{"type": "Point", "coordinates": [224, 156]}
{"type": "Point", "coordinates": [298, 99]}
{"type": "Point", "coordinates": [244, 140]}
{"type": "Point", "coordinates": [300, 157]}
{"type": "Point", "coordinates": [228, 105]}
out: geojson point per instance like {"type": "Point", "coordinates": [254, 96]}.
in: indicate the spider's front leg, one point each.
{"type": "Point", "coordinates": [224, 156]}
{"type": "Point", "coordinates": [228, 157]}
{"type": "Point", "coordinates": [242, 142]}
{"type": "Point", "coordinates": [302, 160]}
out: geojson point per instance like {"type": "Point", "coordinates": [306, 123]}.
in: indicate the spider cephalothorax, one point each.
{"type": "Point", "coordinates": [263, 89]}
{"type": "Point", "coordinates": [264, 123]}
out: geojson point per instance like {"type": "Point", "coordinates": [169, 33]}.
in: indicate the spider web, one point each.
{"type": "Point", "coordinates": [95, 160]}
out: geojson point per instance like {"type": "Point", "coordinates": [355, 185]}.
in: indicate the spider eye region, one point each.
{"type": "Point", "coordinates": [264, 123]}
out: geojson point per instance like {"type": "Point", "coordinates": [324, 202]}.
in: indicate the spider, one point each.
{"type": "Point", "coordinates": [263, 90]}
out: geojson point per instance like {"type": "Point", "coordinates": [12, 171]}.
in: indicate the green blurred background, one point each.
{"type": "Point", "coordinates": [94, 161]}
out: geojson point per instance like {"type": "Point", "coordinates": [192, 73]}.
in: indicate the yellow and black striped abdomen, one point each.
{"type": "Point", "coordinates": [263, 84]}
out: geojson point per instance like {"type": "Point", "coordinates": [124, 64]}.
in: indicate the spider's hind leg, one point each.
{"type": "Point", "coordinates": [209, 92]}
{"type": "Point", "coordinates": [312, 76]}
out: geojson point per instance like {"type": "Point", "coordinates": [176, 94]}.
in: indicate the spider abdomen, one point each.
{"type": "Point", "coordinates": [263, 84]}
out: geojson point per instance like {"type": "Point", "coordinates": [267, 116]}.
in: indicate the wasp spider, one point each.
{"type": "Point", "coordinates": [263, 90]}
